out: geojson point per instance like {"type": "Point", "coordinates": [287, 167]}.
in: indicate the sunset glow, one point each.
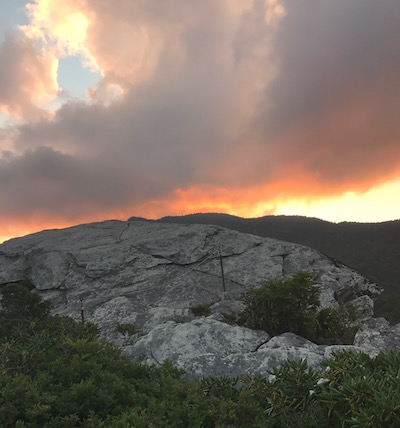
{"type": "Point", "coordinates": [61, 23]}
{"type": "Point", "coordinates": [250, 108]}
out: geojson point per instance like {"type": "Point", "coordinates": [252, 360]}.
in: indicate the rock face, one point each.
{"type": "Point", "coordinates": [150, 274]}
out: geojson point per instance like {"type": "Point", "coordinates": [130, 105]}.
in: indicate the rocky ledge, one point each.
{"type": "Point", "coordinates": [150, 274]}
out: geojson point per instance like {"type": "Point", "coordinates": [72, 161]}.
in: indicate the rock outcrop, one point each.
{"type": "Point", "coordinates": [150, 274]}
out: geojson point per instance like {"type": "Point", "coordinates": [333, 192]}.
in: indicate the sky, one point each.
{"type": "Point", "coordinates": [152, 108]}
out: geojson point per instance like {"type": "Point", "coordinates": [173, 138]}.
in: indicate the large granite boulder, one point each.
{"type": "Point", "coordinates": [151, 274]}
{"type": "Point", "coordinates": [376, 334]}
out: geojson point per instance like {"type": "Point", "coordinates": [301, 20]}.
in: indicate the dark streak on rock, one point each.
{"type": "Point", "coordinates": [259, 346]}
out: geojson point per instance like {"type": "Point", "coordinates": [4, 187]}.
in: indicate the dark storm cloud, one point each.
{"type": "Point", "coordinates": [334, 103]}
{"type": "Point", "coordinates": [52, 183]}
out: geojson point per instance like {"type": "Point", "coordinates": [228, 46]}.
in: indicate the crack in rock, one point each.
{"type": "Point", "coordinates": [259, 346]}
{"type": "Point", "coordinates": [238, 254]}
{"type": "Point", "coordinates": [209, 237]}
{"type": "Point", "coordinates": [119, 240]}
{"type": "Point", "coordinates": [219, 277]}
{"type": "Point", "coordinates": [156, 256]}
{"type": "Point", "coordinates": [171, 261]}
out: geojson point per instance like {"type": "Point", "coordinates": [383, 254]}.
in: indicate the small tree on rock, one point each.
{"type": "Point", "coordinates": [282, 305]}
{"type": "Point", "coordinates": [292, 305]}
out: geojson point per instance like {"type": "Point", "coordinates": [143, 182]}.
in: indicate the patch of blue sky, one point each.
{"type": "Point", "coordinates": [12, 13]}
{"type": "Point", "coordinates": [74, 78]}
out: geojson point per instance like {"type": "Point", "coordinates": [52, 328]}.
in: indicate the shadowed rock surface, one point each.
{"type": "Point", "coordinates": [150, 274]}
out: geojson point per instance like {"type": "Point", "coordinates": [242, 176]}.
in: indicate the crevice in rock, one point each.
{"type": "Point", "coordinates": [171, 261]}
{"type": "Point", "coordinates": [285, 254]}
{"type": "Point", "coordinates": [200, 260]}
{"type": "Point", "coordinates": [159, 256]}
{"type": "Point", "coordinates": [81, 268]}
{"type": "Point", "coordinates": [72, 258]}
{"type": "Point", "coordinates": [154, 358]}
{"type": "Point", "coordinates": [119, 240]}
{"type": "Point", "coordinates": [232, 254]}
{"type": "Point", "coordinates": [219, 277]}
{"type": "Point", "coordinates": [259, 346]}
{"type": "Point", "coordinates": [209, 236]}
{"type": "Point", "coordinates": [156, 256]}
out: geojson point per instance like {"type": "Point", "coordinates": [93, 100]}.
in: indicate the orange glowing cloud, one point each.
{"type": "Point", "coordinates": [247, 203]}
{"type": "Point", "coordinates": [125, 55]}
{"type": "Point", "coordinates": [64, 25]}
{"type": "Point", "coordinates": [240, 106]}
{"type": "Point", "coordinates": [28, 77]}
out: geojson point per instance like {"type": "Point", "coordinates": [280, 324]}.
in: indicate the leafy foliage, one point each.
{"type": "Point", "coordinates": [281, 305]}
{"type": "Point", "coordinates": [291, 305]}
{"type": "Point", "coordinates": [363, 392]}
{"type": "Point", "coordinates": [202, 310]}
{"type": "Point", "coordinates": [18, 301]}
{"type": "Point", "coordinates": [130, 331]}
{"type": "Point", "coordinates": [127, 329]}
{"type": "Point", "coordinates": [336, 326]}
{"type": "Point", "coordinates": [58, 373]}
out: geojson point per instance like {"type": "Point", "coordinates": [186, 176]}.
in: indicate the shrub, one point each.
{"type": "Point", "coordinates": [18, 301]}
{"type": "Point", "coordinates": [128, 330]}
{"type": "Point", "coordinates": [202, 310]}
{"type": "Point", "coordinates": [353, 391]}
{"type": "Point", "coordinates": [361, 392]}
{"type": "Point", "coordinates": [336, 326]}
{"type": "Point", "coordinates": [282, 305]}
{"type": "Point", "coordinates": [291, 305]}
{"type": "Point", "coordinates": [55, 372]}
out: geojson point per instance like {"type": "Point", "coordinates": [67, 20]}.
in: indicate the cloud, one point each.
{"type": "Point", "coordinates": [53, 184]}
{"type": "Point", "coordinates": [333, 103]}
{"type": "Point", "coordinates": [216, 105]}
{"type": "Point", "coordinates": [28, 77]}
{"type": "Point", "coordinates": [180, 127]}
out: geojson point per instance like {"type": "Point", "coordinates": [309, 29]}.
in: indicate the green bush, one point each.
{"type": "Point", "coordinates": [55, 372]}
{"type": "Point", "coordinates": [282, 305]}
{"type": "Point", "coordinates": [361, 391]}
{"type": "Point", "coordinates": [18, 301]}
{"type": "Point", "coordinates": [291, 305]}
{"type": "Point", "coordinates": [336, 326]}
{"type": "Point", "coordinates": [129, 331]}
{"type": "Point", "coordinates": [202, 310]}
{"type": "Point", "coordinates": [353, 391]}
